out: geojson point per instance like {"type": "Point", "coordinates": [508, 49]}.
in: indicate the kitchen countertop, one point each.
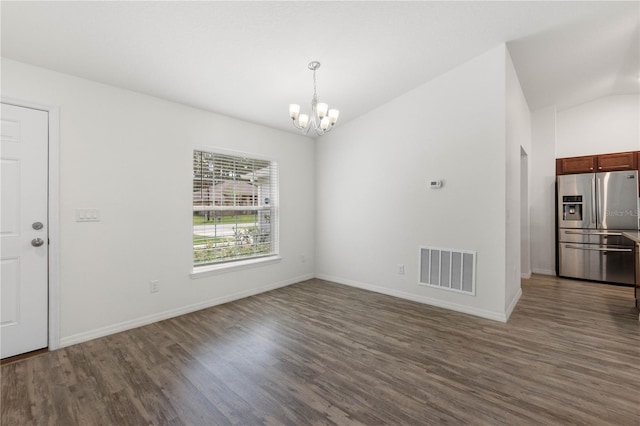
{"type": "Point", "coordinates": [632, 235]}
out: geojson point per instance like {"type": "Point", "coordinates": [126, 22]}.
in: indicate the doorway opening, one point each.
{"type": "Point", "coordinates": [525, 232]}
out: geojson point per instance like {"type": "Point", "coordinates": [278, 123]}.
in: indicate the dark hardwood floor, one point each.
{"type": "Point", "coordinates": [322, 353]}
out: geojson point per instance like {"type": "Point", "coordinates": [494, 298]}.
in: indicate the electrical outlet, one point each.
{"type": "Point", "coordinates": [154, 286]}
{"type": "Point", "coordinates": [400, 269]}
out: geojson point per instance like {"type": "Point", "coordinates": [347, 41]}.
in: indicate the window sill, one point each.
{"type": "Point", "coordinates": [205, 271]}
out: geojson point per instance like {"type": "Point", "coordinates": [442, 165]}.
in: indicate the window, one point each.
{"type": "Point", "coordinates": [234, 208]}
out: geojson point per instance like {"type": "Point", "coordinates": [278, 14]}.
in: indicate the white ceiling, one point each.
{"type": "Point", "coordinates": [249, 59]}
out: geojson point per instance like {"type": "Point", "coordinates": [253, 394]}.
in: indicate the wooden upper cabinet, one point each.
{"type": "Point", "coordinates": [567, 166]}
{"type": "Point", "coordinates": [598, 163]}
{"type": "Point", "coordinates": [618, 161]}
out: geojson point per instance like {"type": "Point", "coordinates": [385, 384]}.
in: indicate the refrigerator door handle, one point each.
{"type": "Point", "coordinates": [597, 248]}
{"type": "Point", "coordinates": [617, 234]}
{"type": "Point", "coordinates": [594, 219]}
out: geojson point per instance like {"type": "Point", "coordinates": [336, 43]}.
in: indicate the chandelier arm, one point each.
{"type": "Point", "coordinates": [314, 110]}
{"type": "Point", "coordinates": [321, 132]}
{"type": "Point", "coordinates": [304, 130]}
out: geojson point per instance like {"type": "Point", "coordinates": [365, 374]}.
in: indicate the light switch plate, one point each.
{"type": "Point", "coordinates": [87, 215]}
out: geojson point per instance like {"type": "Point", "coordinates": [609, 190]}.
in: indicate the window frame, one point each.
{"type": "Point", "coordinates": [205, 269]}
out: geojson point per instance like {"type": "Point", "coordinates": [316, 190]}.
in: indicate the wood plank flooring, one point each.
{"type": "Point", "coordinates": [320, 353]}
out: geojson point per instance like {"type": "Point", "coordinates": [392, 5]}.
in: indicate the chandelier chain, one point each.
{"type": "Point", "coordinates": [315, 95]}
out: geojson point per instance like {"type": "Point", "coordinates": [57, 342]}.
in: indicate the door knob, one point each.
{"type": "Point", "coordinates": [37, 242]}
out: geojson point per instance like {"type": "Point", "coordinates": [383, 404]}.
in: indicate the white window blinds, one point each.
{"type": "Point", "coordinates": [234, 207]}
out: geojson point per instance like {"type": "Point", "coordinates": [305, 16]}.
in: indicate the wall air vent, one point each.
{"type": "Point", "coordinates": [448, 269]}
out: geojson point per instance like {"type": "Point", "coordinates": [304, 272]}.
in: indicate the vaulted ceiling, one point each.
{"type": "Point", "coordinates": [249, 59]}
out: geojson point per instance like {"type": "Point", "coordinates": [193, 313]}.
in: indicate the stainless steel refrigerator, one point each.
{"type": "Point", "coordinates": [593, 209]}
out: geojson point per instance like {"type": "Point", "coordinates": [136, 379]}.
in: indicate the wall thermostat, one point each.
{"type": "Point", "coordinates": [435, 184]}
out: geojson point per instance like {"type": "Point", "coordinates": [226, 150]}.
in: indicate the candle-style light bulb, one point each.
{"type": "Point", "coordinates": [322, 109]}
{"type": "Point", "coordinates": [333, 115]}
{"type": "Point", "coordinates": [294, 111]}
{"type": "Point", "coordinates": [303, 120]}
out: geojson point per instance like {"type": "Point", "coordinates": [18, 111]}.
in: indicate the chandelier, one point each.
{"type": "Point", "coordinates": [322, 118]}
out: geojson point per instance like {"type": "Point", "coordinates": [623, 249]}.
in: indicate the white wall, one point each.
{"type": "Point", "coordinates": [610, 124]}
{"type": "Point", "coordinates": [375, 209]}
{"type": "Point", "coordinates": [518, 139]}
{"type": "Point", "coordinates": [543, 178]}
{"type": "Point", "coordinates": [130, 156]}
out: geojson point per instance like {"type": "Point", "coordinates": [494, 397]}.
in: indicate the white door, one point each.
{"type": "Point", "coordinates": [23, 230]}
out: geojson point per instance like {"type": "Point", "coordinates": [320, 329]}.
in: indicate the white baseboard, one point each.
{"type": "Point", "coordinates": [543, 271]}
{"type": "Point", "coordinates": [513, 303]}
{"type": "Point", "coordinates": [139, 322]}
{"type": "Point", "coordinates": [525, 275]}
{"type": "Point", "coordinates": [496, 316]}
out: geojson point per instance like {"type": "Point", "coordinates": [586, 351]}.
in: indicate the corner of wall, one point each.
{"type": "Point", "coordinates": [517, 141]}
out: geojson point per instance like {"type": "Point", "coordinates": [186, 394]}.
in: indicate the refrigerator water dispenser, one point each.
{"type": "Point", "coordinates": [572, 207]}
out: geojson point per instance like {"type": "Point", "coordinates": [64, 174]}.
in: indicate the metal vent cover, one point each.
{"type": "Point", "coordinates": [448, 269]}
